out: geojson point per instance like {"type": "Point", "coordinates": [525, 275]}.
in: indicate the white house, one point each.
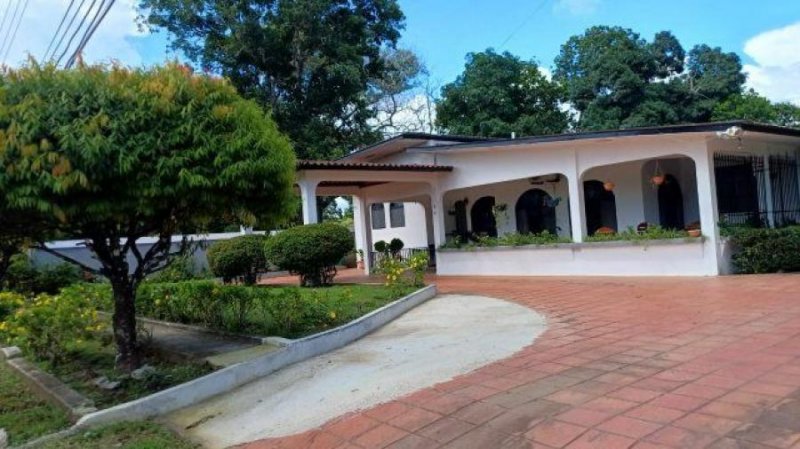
{"type": "Point", "coordinates": [680, 177]}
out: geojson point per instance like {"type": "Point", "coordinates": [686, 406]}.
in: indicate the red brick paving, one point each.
{"type": "Point", "coordinates": [625, 363]}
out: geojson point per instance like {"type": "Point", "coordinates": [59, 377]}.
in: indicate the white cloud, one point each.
{"type": "Point", "coordinates": [113, 39]}
{"type": "Point", "coordinates": [776, 71]}
{"type": "Point", "coordinates": [577, 7]}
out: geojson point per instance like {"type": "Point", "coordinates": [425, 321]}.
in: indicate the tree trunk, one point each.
{"type": "Point", "coordinates": [124, 321]}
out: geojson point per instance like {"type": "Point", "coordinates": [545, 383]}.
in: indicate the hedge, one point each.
{"type": "Point", "coordinates": [766, 250]}
{"type": "Point", "coordinates": [238, 259]}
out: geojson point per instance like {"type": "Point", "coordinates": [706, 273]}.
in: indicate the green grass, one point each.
{"type": "Point", "coordinates": [130, 435]}
{"type": "Point", "coordinates": [91, 359]}
{"type": "Point", "coordinates": [22, 413]}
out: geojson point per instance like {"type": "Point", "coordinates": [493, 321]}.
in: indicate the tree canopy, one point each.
{"type": "Point", "coordinates": [113, 154]}
{"type": "Point", "coordinates": [616, 79]}
{"type": "Point", "coordinates": [498, 94]}
{"type": "Point", "coordinates": [309, 61]}
{"type": "Point", "coordinates": [752, 106]}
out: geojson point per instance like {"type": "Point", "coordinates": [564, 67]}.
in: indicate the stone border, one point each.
{"type": "Point", "coordinates": [48, 386]}
{"type": "Point", "coordinates": [227, 379]}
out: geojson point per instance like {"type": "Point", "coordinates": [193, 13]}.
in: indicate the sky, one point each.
{"type": "Point", "coordinates": [765, 33]}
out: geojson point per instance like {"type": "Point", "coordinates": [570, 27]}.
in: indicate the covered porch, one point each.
{"type": "Point", "coordinates": [373, 184]}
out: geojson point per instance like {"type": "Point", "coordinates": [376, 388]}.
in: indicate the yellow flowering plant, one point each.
{"type": "Point", "coordinates": [400, 274]}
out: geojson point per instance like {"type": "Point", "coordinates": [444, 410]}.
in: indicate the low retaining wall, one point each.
{"type": "Point", "coordinates": [232, 377]}
{"type": "Point", "coordinates": [675, 257]}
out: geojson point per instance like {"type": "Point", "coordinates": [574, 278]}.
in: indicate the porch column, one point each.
{"type": "Point", "coordinates": [362, 229]}
{"type": "Point", "coordinates": [707, 205]}
{"type": "Point", "coordinates": [438, 216]}
{"type": "Point", "coordinates": [770, 206]}
{"type": "Point", "coordinates": [577, 211]}
{"type": "Point", "coordinates": [308, 194]}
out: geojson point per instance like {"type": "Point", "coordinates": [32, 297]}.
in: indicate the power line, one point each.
{"type": "Point", "coordinates": [89, 33]}
{"type": "Point", "coordinates": [523, 23]}
{"type": "Point", "coordinates": [75, 33]}
{"type": "Point", "coordinates": [58, 30]}
{"type": "Point", "coordinates": [66, 30]}
{"type": "Point", "coordinates": [16, 29]}
{"type": "Point", "coordinates": [10, 25]}
{"type": "Point", "coordinates": [5, 14]}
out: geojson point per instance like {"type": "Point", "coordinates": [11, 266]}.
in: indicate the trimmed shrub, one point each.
{"type": "Point", "coordinates": [239, 259]}
{"type": "Point", "coordinates": [395, 246]}
{"type": "Point", "coordinates": [311, 251]}
{"type": "Point", "coordinates": [766, 250]}
{"type": "Point", "coordinates": [381, 246]}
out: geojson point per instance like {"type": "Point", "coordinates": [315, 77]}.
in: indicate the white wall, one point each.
{"type": "Point", "coordinates": [413, 234]}
{"type": "Point", "coordinates": [665, 258]}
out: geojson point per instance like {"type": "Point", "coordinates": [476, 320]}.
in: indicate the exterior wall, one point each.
{"type": "Point", "coordinates": [655, 258]}
{"type": "Point", "coordinates": [508, 193]}
{"type": "Point", "coordinates": [628, 193]}
{"type": "Point", "coordinates": [76, 250]}
{"type": "Point", "coordinates": [414, 234]}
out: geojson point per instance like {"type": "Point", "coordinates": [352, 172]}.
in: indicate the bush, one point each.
{"type": "Point", "coordinates": [509, 239]}
{"type": "Point", "coordinates": [181, 268]}
{"type": "Point", "coordinates": [310, 251]}
{"type": "Point", "coordinates": [766, 250]}
{"type": "Point", "coordinates": [648, 232]}
{"type": "Point", "coordinates": [395, 246]}
{"type": "Point", "coordinates": [403, 274]}
{"type": "Point", "coordinates": [24, 277]}
{"type": "Point", "coordinates": [240, 258]}
{"type": "Point", "coordinates": [45, 325]}
{"type": "Point", "coordinates": [381, 246]}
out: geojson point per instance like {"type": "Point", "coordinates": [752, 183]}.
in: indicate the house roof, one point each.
{"type": "Point", "coordinates": [407, 140]}
{"type": "Point", "coordinates": [367, 166]}
{"type": "Point", "coordinates": [630, 132]}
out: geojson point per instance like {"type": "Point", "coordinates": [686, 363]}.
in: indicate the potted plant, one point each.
{"type": "Point", "coordinates": [360, 259]}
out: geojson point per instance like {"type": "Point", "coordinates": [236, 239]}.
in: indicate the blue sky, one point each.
{"type": "Point", "coordinates": [766, 33]}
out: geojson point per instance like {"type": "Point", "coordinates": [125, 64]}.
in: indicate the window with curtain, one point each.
{"type": "Point", "coordinates": [378, 216]}
{"type": "Point", "coordinates": [397, 215]}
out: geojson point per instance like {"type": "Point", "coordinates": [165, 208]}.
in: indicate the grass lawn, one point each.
{"type": "Point", "coordinates": [133, 435]}
{"type": "Point", "coordinates": [22, 413]}
{"type": "Point", "coordinates": [91, 359]}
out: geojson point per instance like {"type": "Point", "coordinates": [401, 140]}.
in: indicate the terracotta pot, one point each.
{"type": "Point", "coordinates": [609, 186]}
{"type": "Point", "coordinates": [360, 264]}
{"type": "Point", "coordinates": [657, 180]}
{"type": "Point", "coordinates": [694, 232]}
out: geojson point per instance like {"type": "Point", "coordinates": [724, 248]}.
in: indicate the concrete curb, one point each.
{"type": "Point", "coordinates": [52, 389]}
{"type": "Point", "coordinates": [227, 379]}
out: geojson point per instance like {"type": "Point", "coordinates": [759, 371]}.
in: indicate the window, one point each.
{"type": "Point", "coordinates": [378, 216]}
{"type": "Point", "coordinates": [536, 213]}
{"type": "Point", "coordinates": [397, 215]}
{"type": "Point", "coordinates": [483, 222]}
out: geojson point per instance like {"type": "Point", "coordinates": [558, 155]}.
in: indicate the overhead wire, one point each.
{"type": "Point", "coordinates": [66, 30]}
{"type": "Point", "coordinates": [10, 25]}
{"type": "Point", "coordinates": [524, 22]}
{"type": "Point", "coordinates": [78, 29]}
{"type": "Point", "coordinates": [16, 29]}
{"type": "Point", "coordinates": [93, 25]}
{"type": "Point", "coordinates": [58, 30]}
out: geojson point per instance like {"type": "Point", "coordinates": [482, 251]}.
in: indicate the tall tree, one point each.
{"type": "Point", "coordinates": [500, 94]}
{"type": "Point", "coordinates": [752, 106]}
{"type": "Point", "coordinates": [113, 155]}
{"type": "Point", "coordinates": [614, 78]}
{"type": "Point", "coordinates": [309, 61]}
{"type": "Point", "coordinates": [400, 98]}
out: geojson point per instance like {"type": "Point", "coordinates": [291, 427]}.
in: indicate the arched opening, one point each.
{"type": "Point", "coordinates": [461, 218]}
{"type": "Point", "coordinates": [670, 204]}
{"type": "Point", "coordinates": [536, 212]}
{"type": "Point", "coordinates": [600, 205]}
{"type": "Point", "coordinates": [483, 222]}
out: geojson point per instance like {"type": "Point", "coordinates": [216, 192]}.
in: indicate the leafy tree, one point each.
{"type": "Point", "coordinates": [498, 94]}
{"type": "Point", "coordinates": [398, 97]}
{"type": "Point", "coordinates": [752, 106]}
{"type": "Point", "coordinates": [309, 61]}
{"type": "Point", "coordinates": [13, 236]}
{"type": "Point", "coordinates": [616, 79]}
{"type": "Point", "coordinates": [114, 154]}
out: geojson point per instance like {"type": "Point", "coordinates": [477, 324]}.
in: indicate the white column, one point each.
{"type": "Point", "coordinates": [438, 217]}
{"type": "Point", "coordinates": [362, 228]}
{"type": "Point", "coordinates": [308, 194]}
{"type": "Point", "coordinates": [577, 211]}
{"type": "Point", "coordinates": [707, 204]}
{"type": "Point", "coordinates": [770, 206]}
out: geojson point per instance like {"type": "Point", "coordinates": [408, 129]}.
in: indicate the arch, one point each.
{"type": "Point", "coordinates": [536, 212]}
{"type": "Point", "coordinates": [600, 206]}
{"type": "Point", "coordinates": [461, 218]}
{"type": "Point", "coordinates": [670, 204]}
{"type": "Point", "coordinates": [482, 215]}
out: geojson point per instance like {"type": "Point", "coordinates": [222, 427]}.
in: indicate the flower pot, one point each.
{"type": "Point", "coordinates": [694, 232]}
{"type": "Point", "coordinates": [609, 186]}
{"type": "Point", "coordinates": [657, 180]}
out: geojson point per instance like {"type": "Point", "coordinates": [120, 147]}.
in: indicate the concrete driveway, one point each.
{"type": "Point", "coordinates": [626, 363]}
{"type": "Point", "coordinates": [447, 336]}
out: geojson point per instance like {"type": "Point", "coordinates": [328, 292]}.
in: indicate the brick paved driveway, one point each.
{"type": "Point", "coordinates": [626, 363]}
